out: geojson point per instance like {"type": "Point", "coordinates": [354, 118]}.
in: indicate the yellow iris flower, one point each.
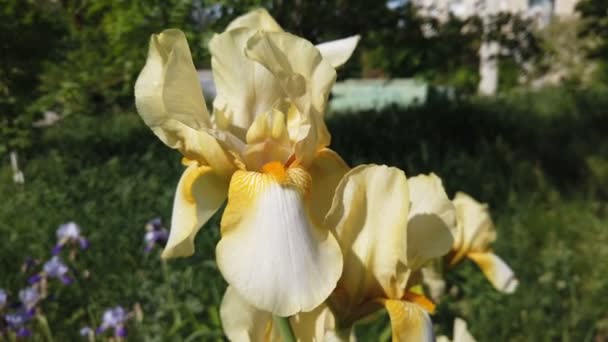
{"type": "Point", "coordinates": [264, 149]}
{"type": "Point", "coordinates": [475, 233]}
{"type": "Point", "coordinates": [388, 227]}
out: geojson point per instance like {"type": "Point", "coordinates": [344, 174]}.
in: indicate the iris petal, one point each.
{"type": "Point", "coordinates": [200, 193]}
{"type": "Point", "coordinates": [271, 252]}
{"type": "Point", "coordinates": [496, 270]}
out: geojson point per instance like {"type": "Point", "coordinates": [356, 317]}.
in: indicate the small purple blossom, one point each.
{"type": "Point", "coordinates": [114, 318]}
{"type": "Point", "coordinates": [55, 268]}
{"type": "Point", "coordinates": [24, 332]}
{"type": "Point", "coordinates": [16, 320]}
{"type": "Point", "coordinates": [29, 297]}
{"type": "Point", "coordinates": [86, 331]}
{"type": "Point", "coordinates": [69, 233]}
{"type": "Point", "coordinates": [35, 279]}
{"type": "Point", "coordinates": [156, 234]}
{"type": "Point", "coordinates": [3, 298]}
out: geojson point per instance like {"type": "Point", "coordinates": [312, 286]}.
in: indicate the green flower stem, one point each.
{"type": "Point", "coordinates": [284, 329]}
{"type": "Point", "coordinates": [46, 329]}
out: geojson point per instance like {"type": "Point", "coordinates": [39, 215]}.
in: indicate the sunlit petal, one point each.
{"type": "Point", "coordinates": [245, 88]}
{"type": "Point", "coordinates": [304, 76]}
{"type": "Point", "coordinates": [167, 92]}
{"type": "Point", "coordinates": [271, 252]}
{"type": "Point", "coordinates": [461, 333]}
{"type": "Point", "coordinates": [369, 215]}
{"type": "Point", "coordinates": [317, 325]}
{"type": "Point", "coordinates": [496, 270]}
{"type": "Point", "coordinates": [337, 52]}
{"type": "Point", "coordinates": [258, 19]}
{"type": "Point", "coordinates": [200, 193]}
{"type": "Point", "coordinates": [169, 98]}
{"type": "Point", "coordinates": [433, 279]}
{"type": "Point", "coordinates": [431, 223]}
{"type": "Point", "coordinates": [326, 170]}
{"type": "Point", "coordinates": [409, 322]}
{"type": "Point", "coordinates": [475, 228]}
{"type": "Point", "coordinates": [243, 322]}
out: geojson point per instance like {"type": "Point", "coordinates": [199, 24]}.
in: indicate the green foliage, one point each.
{"type": "Point", "coordinates": [20, 62]}
{"type": "Point", "coordinates": [595, 29]}
{"type": "Point", "coordinates": [106, 47]}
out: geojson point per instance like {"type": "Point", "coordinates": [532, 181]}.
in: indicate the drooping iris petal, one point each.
{"type": "Point", "coordinates": [475, 228]}
{"type": "Point", "coordinates": [409, 322]}
{"type": "Point", "coordinates": [258, 19]}
{"type": "Point", "coordinates": [169, 98]}
{"type": "Point", "coordinates": [496, 270]}
{"type": "Point", "coordinates": [461, 333]}
{"type": "Point", "coordinates": [271, 252]}
{"type": "Point", "coordinates": [431, 223]}
{"type": "Point", "coordinates": [337, 52]}
{"type": "Point", "coordinates": [243, 322]}
{"type": "Point", "coordinates": [245, 88]}
{"type": "Point", "coordinates": [326, 171]}
{"type": "Point", "coordinates": [200, 193]}
{"type": "Point", "coordinates": [369, 215]}
{"type": "Point", "coordinates": [303, 75]}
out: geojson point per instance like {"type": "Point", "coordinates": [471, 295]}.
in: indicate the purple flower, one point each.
{"type": "Point", "coordinates": [3, 298]}
{"type": "Point", "coordinates": [69, 233]}
{"type": "Point", "coordinates": [35, 279]}
{"type": "Point", "coordinates": [156, 234]}
{"type": "Point", "coordinates": [55, 268]}
{"type": "Point", "coordinates": [121, 331]}
{"type": "Point", "coordinates": [116, 319]}
{"type": "Point", "coordinates": [29, 297]}
{"type": "Point", "coordinates": [24, 332]}
{"type": "Point", "coordinates": [18, 319]}
{"type": "Point", "coordinates": [86, 331]}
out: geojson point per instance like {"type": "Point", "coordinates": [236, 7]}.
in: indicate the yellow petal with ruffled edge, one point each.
{"type": "Point", "coordinates": [369, 215]}
{"type": "Point", "coordinates": [496, 270]}
{"type": "Point", "coordinates": [169, 99]}
{"type": "Point", "coordinates": [271, 252]}
{"type": "Point", "coordinates": [474, 225]}
{"type": "Point", "coordinates": [305, 77]}
{"type": "Point", "coordinates": [242, 322]}
{"type": "Point", "coordinates": [431, 222]}
{"type": "Point", "coordinates": [409, 322]}
{"type": "Point", "coordinates": [200, 193]}
{"type": "Point", "coordinates": [337, 52]}
{"type": "Point", "coordinates": [245, 89]}
{"type": "Point", "coordinates": [258, 19]}
{"type": "Point", "coordinates": [326, 170]}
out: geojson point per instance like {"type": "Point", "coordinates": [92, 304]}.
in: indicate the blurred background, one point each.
{"type": "Point", "coordinates": [506, 100]}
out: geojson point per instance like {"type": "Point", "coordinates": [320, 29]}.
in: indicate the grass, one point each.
{"type": "Point", "coordinates": [538, 159]}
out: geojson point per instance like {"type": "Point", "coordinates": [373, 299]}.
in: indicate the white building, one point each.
{"type": "Point", "coordinates": [466, 8]}
{"type": "Point", "coordinates": [541, 10]}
